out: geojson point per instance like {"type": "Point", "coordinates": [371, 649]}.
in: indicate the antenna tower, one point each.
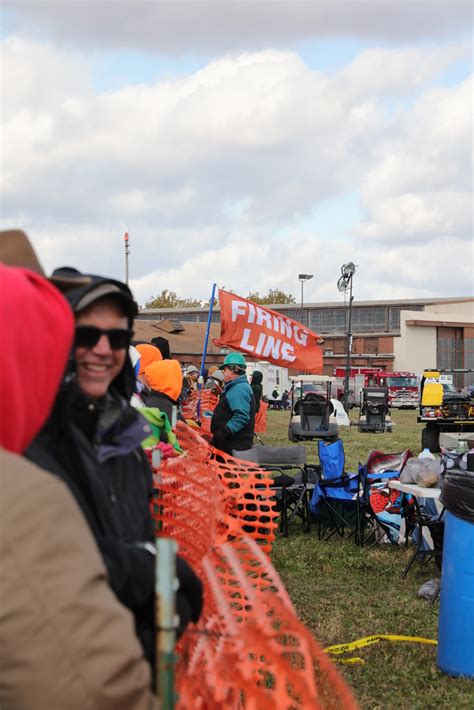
{"type": "Point", "coordinates": [126, 239]}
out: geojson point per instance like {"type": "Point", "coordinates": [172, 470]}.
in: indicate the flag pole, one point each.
{"type": "Point", "coordinates": [204, 352]}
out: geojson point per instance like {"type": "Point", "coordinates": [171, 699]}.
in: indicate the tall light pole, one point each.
{"type": "Point", "coordinates": [126, 240]}
{"type": "Point", "coordinates": [345, 283]}
{"type": "Point", "coordinates": [303, 278]}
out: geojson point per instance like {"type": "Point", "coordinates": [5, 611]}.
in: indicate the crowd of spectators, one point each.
{"type": "Point", "coordinates": [78, 398]}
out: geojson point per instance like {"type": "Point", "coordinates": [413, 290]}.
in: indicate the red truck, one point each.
{"type": "Point", "coordinates": [403, 387]}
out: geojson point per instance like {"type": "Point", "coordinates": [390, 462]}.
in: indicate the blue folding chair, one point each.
{"type": "Point", "coordinates": [336, 498]}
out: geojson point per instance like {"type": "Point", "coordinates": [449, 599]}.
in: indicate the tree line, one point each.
{"type": "Point", "coordinates": [169, 299]}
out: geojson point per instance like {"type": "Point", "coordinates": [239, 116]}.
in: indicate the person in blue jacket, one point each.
{"type": "Point", "coordinates": [233, 421]}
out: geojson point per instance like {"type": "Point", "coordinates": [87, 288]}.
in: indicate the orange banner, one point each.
{"type": "Point", "coordinates": [268, 335]}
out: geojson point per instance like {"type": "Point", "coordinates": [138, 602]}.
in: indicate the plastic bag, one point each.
{"type": "Point", "coordinates": [458, 494]}
{"type": "Point", "coordinates": [429, 590]}
{"type": "Point", "coordinates": [429, 474]}
{"type": "Point", "coordinates": [411, 470]}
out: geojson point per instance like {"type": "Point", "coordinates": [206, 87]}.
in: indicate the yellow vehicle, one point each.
{"type": "Point", "coordinates": [443, 407]}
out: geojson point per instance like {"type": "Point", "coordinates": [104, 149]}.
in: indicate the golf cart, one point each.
{"type": "Point", "coordinates": [374, 415]}
{"type": "Point", "coordinates": [312, 414]}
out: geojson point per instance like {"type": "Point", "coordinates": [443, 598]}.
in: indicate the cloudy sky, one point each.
{"type": "Point", "coordinates": [243, 142]}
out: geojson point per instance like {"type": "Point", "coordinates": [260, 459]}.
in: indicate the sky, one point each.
{"type": "Point", "coordinates": [243, 143]}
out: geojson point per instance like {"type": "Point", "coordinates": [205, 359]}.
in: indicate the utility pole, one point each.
{"type": "Point", "coordinates": [127, 254]}
{"type": "Point", "coordinates": [303, 278]}
{"type": "Point", "coordinates": [349, 349]}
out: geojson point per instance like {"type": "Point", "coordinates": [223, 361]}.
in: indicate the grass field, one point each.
{"type": "Point", "coordinates": [342, 593]}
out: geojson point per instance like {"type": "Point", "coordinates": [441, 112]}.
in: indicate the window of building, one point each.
{"type": "Point", "coordinates": [450, 352]}
{"type": "Point", "coordinates": [469, 355]}
{"type": "Point", "coordinates": [366, 320]}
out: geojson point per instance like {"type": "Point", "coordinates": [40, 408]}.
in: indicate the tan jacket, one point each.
{"type": "Point", "coordinates": [66, 643]}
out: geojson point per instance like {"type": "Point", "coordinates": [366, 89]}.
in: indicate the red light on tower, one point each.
{"type": "Point", "coordinates": [126, 236]}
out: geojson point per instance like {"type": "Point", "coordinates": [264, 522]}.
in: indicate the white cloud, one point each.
{"type": "Point", "coordinates": [398, 72]}
{"type": "Point", "coordinates": [253, 263]}
{"type": "Point", "coordinates": [39, 76]}
{"type": "Point", "coordinates": [209, 171]}
{"type": "Point", "coordinates": [421, 186]}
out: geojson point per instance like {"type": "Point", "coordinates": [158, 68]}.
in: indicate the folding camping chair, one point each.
{"type": "Point", "coordinates": [291, 492]}
{"type": "Point", "coordinates": [384, 510]}
{"type": "Point", "coordinates": [337, 494]}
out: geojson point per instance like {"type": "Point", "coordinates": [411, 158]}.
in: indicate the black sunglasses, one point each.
{"type": "Point", "coordinates": [87, 336]}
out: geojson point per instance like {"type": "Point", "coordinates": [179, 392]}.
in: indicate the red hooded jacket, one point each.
{"type": "Point", "coordinates": [33, 356]}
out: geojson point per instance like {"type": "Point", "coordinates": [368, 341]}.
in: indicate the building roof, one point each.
{"type": "Point", "coordinates": [326, 304]}
{"type": "Point", "coordinates": [188, 341]}
{"type": "Point", "coordinates": [187, 338]}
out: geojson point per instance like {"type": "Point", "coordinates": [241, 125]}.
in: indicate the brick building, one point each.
{"type": "Point", "coordinates": [408, 334]}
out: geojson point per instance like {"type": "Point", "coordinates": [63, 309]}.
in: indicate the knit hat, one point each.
{"type": "Point", "coordinates": [163, 346]}
{"type": "Point", "coordinates": [218, 376]}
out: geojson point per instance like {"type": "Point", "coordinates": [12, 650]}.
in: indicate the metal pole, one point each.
{"type": "Point", "coordinates": [127, 252]}
{"type": "Point", "coordinates": [348, 350]}
{"type": "Point", "coordinates": [166, 585]}
{"type": "Point", "coordinates": [204, 352]}
{"type": "Point", "coordinates": [302, 309]}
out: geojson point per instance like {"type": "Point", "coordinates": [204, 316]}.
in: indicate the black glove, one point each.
{"type": "Point", "coordinates": [189, 597]}
{"type": "Point", "coordinates": [220, 436]}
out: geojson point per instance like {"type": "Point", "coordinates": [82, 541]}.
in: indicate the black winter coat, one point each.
{"type": "Point", "coordinates": [257, 389]}
{"type": "Point", "coordinates": [110, 478]}
{"type": "Point", "coordinates": [161, 401]}
{"type": "Point", "coordinates": [114, 496]}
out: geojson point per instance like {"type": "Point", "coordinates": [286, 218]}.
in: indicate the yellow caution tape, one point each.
{"type": "Point", "coordinates": [341, 648]}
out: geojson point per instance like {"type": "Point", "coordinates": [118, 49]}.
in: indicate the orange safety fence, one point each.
{"type": "Point", "coordinates": [249, 650]}
{"type": "Point", "coordinates": [208, 404]}
{"type": "Point", "coordinates": [261, 418]}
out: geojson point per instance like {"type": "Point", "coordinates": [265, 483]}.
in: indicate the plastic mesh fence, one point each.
{"type": "Point", "coordinates": [249, 650]}
{"type": "Point", "coordinates": [208, 404]}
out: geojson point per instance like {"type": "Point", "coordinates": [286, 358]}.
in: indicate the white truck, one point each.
{"type": "Point", "coordinates": [274, 377]}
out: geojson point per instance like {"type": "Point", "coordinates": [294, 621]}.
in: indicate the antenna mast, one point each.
{"type": "Point", "coordinates": [127, 254]}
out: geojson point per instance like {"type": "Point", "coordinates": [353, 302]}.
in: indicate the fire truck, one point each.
{"type": "Point", "coordinates": [403, 387]}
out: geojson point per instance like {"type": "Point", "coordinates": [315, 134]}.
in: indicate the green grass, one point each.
{"type": "Point", "coordinates": [343, 593]}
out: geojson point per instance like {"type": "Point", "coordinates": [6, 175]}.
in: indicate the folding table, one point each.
{"type": "Point", "coordinates": [421, 520]}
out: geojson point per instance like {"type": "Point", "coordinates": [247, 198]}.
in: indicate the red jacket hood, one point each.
{"type": "Point", "coordinates": [36, 328]}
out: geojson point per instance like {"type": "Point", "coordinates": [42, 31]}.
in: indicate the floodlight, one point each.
{"type": "Point", "coordinates": [342, 284]}
{"type": "Point", "coordinates": [348, 269]}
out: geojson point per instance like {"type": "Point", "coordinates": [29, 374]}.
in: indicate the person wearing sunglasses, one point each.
{"type": "Point", "coordinates": [92, 441]}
